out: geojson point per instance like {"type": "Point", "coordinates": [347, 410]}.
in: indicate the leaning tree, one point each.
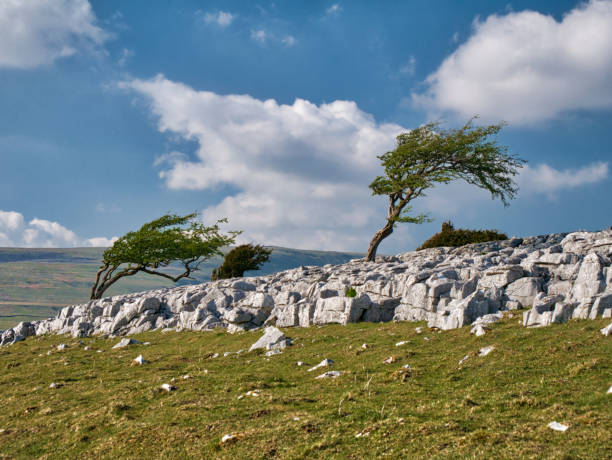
{"type": "Point", "coordinates": [241, 259]}
{"type": "Point", "coordinates": [427, 156]}
{"type": "Point", "coordinates": [171, 239]}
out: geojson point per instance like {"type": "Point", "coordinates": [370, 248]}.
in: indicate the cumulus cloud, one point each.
{"type": "Point", "coordinates": [41, 233]}
{"type": "Point", "coordinates": [101, 242]}
{"type": "Point", "coordinates": [526, 67]}
{"type": "Point", "coordinates": [301, 170]}
{"type": "Point", "coordinates": [222, 18]}
{"type": "Point", "coordinates": [544, 179]}
{"type": "Point", "coordinates": [37, 32]}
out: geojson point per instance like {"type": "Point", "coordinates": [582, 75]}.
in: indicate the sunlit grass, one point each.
{"type": "Point", "coordinates": [497, 406]}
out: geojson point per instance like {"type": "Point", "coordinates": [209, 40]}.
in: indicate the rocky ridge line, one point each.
{"type": "Point", "coordinates": [559, 276]}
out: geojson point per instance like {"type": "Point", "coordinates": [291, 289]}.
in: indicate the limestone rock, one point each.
{"type": "Point", "coordinates": [273, 339]}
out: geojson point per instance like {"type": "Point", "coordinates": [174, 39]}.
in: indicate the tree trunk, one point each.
{"type": "Point", "coordinates": [376, 240]}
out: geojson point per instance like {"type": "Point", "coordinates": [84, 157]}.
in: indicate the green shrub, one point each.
{"type": "Point", "coordinates": [350, 292]}
{"type": "Point", "coordinates": [241, 259]}
{"type": "Point", "coordinates": [449, 236]}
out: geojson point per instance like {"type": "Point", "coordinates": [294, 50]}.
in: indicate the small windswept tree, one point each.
{"type": "Point", "coordinates": [427, 156]}
{"type": "Point", "coordinates": [241, 259]}
{"type": "Point", "coordinates": [157, 244]}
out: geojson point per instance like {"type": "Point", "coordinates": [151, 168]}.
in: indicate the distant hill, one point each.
{"type": "Point", "coordinates": [36, 283]}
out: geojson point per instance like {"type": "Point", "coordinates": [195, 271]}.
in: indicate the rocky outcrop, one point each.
{"type": "Point", "coordinates": [557, 277]}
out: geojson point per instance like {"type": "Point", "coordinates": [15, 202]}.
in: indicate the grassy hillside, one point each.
{"type": "Point", "coordinates": [494, 406]}
{"type": "Point", "coordinates": [35, 283]}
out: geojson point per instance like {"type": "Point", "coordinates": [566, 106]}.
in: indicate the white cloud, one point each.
{"type": "Point", "coordinates": [336, 8]}
{"type": "Point", "coordinates": [101, 242]}
{"type": "Point", "coordinates": [124, 57]}
{"type": "Point", "coordinates": [222, 18]}
{"type": "Point", "coordinates": [40, 233]}
{"type": "Point", "coordinates": [302, 170]}
{"type": "Point", "coordinates": [544, 179]}
{"type": "Point", "coordinates": [526, 67]}
{"type": "Point", "coordinates": [259, 35]}
{"type": "Point", "coordinates": [288, 41]}
{"type": "Point", "coordinates": [37, 32]}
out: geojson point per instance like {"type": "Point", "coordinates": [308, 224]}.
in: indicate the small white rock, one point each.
{"type": "Point", "coordinates": [87, 348]}
{"type": "Point", "coordinates": [403, 342]}
{"type": "Point", "coordinates": [407, 366]}
{"type": "Point", "coordinates": [296, 419]}
{"type": "Point", "coordinates": [324, 363]}
{"type": "Point", "coordinates": [140, 360]}
{"type": "Point", "coordinates": [418, 330]}
{"type": "Point", "coordinates": [486, 350]}
{"type": "Point", "coordinates": [253, 393]}
{"type": "Point", "coordinates": [168, 387]}
{"type": "Point", "coordinates": [53, 385]}
{"type": "Point", "coordinates": [478, 330]}
{"type": "Point", "coordinates": [557, 426]}
{"type": "Point", "coordinates": [273, 352]}
{"type": "Point", "coordinates": [300, 363]}
{"type": "Point", "coordinates": [329, 375]}
{"type": "Point", "coordinates": [228, 437]}
{"type": "Point", "coordinates": [62, 346]}
{"type": "Point", "coordinates": [607, 330]}
{"type": "Point", "coordinates": [610, 390]}
{"type": "Point", "coordinates": [365, 345]}
{"type": "Point", "coordinates": [186, 376]}
{"type": "Point", "coordinates": [389, 360]}
{"type": "Point", "coordinates": [216, 355]}
{"type": "Point", "coordinates": [464, 359]}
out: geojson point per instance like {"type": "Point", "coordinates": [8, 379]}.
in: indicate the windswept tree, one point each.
{"type": "Point", "coordinates": [171, 239]}
{"type": "Point", "coordinates": [241, 259]}
{"type": "Point", "coordinates": [427, 156]}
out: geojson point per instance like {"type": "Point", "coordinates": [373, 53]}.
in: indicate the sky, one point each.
{"type": "Point", "coordinates": [272, 114]}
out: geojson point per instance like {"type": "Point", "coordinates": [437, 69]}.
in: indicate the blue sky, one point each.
{"type": "Point", "coordinates": [271, 114]}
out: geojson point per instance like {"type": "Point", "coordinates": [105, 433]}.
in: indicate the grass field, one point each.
{"type": "Point", "coordinates": [494, 406]}
{"type": "Point", "coordinates": [34, 282]}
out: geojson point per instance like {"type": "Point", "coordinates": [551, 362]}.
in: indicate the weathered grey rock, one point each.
{"type": "Point", "coordinates": [607, 331]}
{"type": "Point", "coordinates": [273, 339]}
{"type": "Point", "coordinates": [524, 290]}
{"type": "Point", "coordinates": [126, 342]}
{"type": "Point", "coordinates": [560, 276]}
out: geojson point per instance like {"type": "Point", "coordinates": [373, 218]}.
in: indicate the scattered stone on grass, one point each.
{"type": "Point", "coordinates": [187, 376]}
{"type": "Point", "coordinates": [403, 342]}
{"type": "Point", "coordinates": [329, 375]}
{"type": "Point", "coordinates": [273, 339]}
{"type": "Point", "coordinates": [125, 342]}
{"type": "Point", "coordinates": [228, 437]}
{"type": "Point", "coordinates": [140, 360]}
{"type": "Point", "coordinates": [478, 330]}
{"type": "Point", "coordinates": [557, 426]}
{"type": "Point", "coordinates": [168, 387]}
{"type": "Point", "coordinates": [607, 331]}
{"type": "Point", "coordinates": [464, 359]}
{"type": "Point", "coordinates": [390, 360]}
{"type": "Point", "coordinates": [486, 350]}
{"type": "Point", "coordinates": [273, 352]}
{"type": "Point", "coordinates": [418, 330]}
{"type": "Point", "coordinates": [216, 355]}
{"type": "Point", "coordinates": [407, 366]}
{"type": "Point", "coordinates": [300, 363]}
{"type": "Point", "coordinates": [324, 363]}
{"type": "Point", "coordinates": [362, 434]}
{"type": "Point", "coordinates": [55, 385]}
{"type": "Point", "coordinates": [62, 346]}
{"type": "Point", "coordinates": [610, 390]}
{"type": "Point", "coordinates": [365, 346]}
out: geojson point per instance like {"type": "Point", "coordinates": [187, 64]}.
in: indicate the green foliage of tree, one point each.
{"type": "Point", "coordinates": [455, 237]}
{"type": "Point", "coordinates": [157, 244]}
{"type": "Point", "coordinates": [427, 156]}
{"type": "Point", "coordinates": [241, 259]}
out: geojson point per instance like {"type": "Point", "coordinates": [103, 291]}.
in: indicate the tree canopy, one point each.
{"type": "Point", "coordinates": [241, 259]}
{"type": "Point", "coordinates": [183, 240]}
{"type": "Point", "coordinates": [428, 155]}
